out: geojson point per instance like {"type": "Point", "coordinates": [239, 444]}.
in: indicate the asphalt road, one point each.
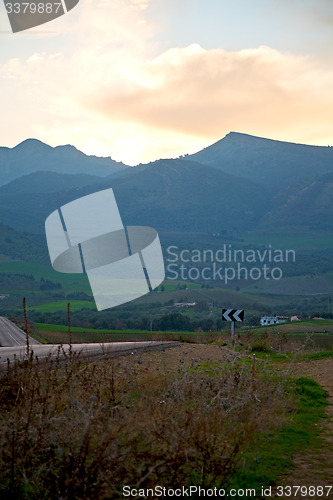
{"type": "Point", "coordinates": [13, 344]}
{"type": "Point", "coordinates": [12, 335]}
{"type": "Point", "coordinates": [88, 351]}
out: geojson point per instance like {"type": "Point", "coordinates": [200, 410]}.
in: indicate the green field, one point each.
{"type": "Point", "coordinates": [56, 334]}
{"type": "Point", "coordinates": [61, 305]}
{"type": "Point", "coordinates": [295, 238]}
{"type": "Point", "coordinates": [320, 331]}
{"type": "Point", "coordinates": [299, 327]}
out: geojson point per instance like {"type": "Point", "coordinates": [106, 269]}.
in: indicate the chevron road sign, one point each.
{"type": "Point", "coordinates": [232, 314]}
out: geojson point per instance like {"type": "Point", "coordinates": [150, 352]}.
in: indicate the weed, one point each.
{"type": "Point", "coordinates": [319, 355]}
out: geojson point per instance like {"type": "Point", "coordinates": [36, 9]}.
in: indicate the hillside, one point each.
{"type": "Point", "coordinates": [177, 195]}
{"type": "Point", "coordinates": [21, 246]}
{"type": "Point", "coordinates": [171, 195]}
{"type": "Point", "coordinates": [47, 182]}
{"type": "Point", "coordinates": [307, 204]}
{"type": "Point", "coordinates": [265, 161]}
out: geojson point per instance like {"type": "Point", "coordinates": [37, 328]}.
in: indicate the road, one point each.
{"type": "Point", "coordinates": [13, 344]}
{"type": "Point", "coordinates": [88, 351]}
{"type": "Point", "coordinates": [12, 335]}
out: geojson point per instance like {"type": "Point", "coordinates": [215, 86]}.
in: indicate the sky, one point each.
{"type": "Point", "coordinates": [140, 80]}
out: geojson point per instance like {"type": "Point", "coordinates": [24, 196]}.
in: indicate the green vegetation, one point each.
{"type": "Point", "coordinates": [17, 246]}
{"type": "Point", "coordinates": [272, 452]}
{"type": "Point", "coordinates": [61, 305]}
{"type": "Point", "coordinates": [319, 355]}
{"type": "Point", "coordinates": [58, 334]}
{"type": "Point", "coordinates": [297, 238]}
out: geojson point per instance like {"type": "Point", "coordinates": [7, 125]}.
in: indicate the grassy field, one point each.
{"type": "Point", "coordinates": [306, 285]}
{"type": "Point", "coordinates": [61, 305]}
{"type": "Point", "coordinates": [303, 327]}
{"type": "Point", "coordinates": [297, 238]}
{"type": "Point", "coordinates": [58, 334]}
{"type": "Point", "coordinates": [311, 332]}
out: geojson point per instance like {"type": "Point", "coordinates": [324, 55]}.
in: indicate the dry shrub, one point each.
{"type": "Point", "coordinates": [278, 343]}
{"type": "Point", "coordinates": [83, 430]}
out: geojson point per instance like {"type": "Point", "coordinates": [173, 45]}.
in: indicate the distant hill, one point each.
{"type": "Point", "coordinates": [22, 246]}
{"type": "Point", "coordinates": [168, 194]}
{"type": "Point", "coordinates": [265, 161]}
{"type": "Point", "coordinates": [34, 156]}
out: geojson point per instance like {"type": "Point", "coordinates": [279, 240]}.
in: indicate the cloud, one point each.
{"type": "Point", "coordinates": [203, 93]}
{"type": "Point", "coordinates": [112, 90]}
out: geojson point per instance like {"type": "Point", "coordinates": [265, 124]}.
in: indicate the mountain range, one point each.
{"type": "Point", "coordinates": [33, 155]}
{"type": "Point", "coordinates": [239, 184]}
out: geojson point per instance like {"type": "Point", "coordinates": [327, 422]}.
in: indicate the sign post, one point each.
{"type": "Point", "coordinates": [232, 315]}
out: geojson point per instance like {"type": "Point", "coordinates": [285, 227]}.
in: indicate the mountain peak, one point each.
{"type": "Point", "coordinates": [33, 155]}
{"type": "Point", "coordinates": [32, 144]}
{"type": "Point", "coordinates": [241, 137]}
{"type": "Point", "coordinates": [265, 161]}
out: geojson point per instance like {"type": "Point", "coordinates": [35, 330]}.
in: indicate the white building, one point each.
{"type": "Point", "coordinates": [272, 320]}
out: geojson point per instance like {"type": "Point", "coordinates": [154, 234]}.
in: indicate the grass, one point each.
{"type": "Point", "coordinates": [319, 355]}
{"type": "Point", "coordinates": [61, 305]}
{"type": "Point", "coordinates": [79, 335]}
{"type": "Point", "coordinates": [298, 238]}
{"type": "Point", "coordinates": [63, 328]}
{"type": "Point", "coordinates": [303, 327]}
{"type": "Point", "coordinates": [261, 339]}
{"type": "Point", "coordinates": [272, 453]}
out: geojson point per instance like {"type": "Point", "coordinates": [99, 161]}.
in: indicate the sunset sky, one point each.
{"type": "Point", "coordinates": [139, 80]}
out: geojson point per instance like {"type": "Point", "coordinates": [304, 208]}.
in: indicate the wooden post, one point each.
{"type": "Point", "coordinates": [26, 328]}
{"type": "Point", "coordinates": [69, 328]}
